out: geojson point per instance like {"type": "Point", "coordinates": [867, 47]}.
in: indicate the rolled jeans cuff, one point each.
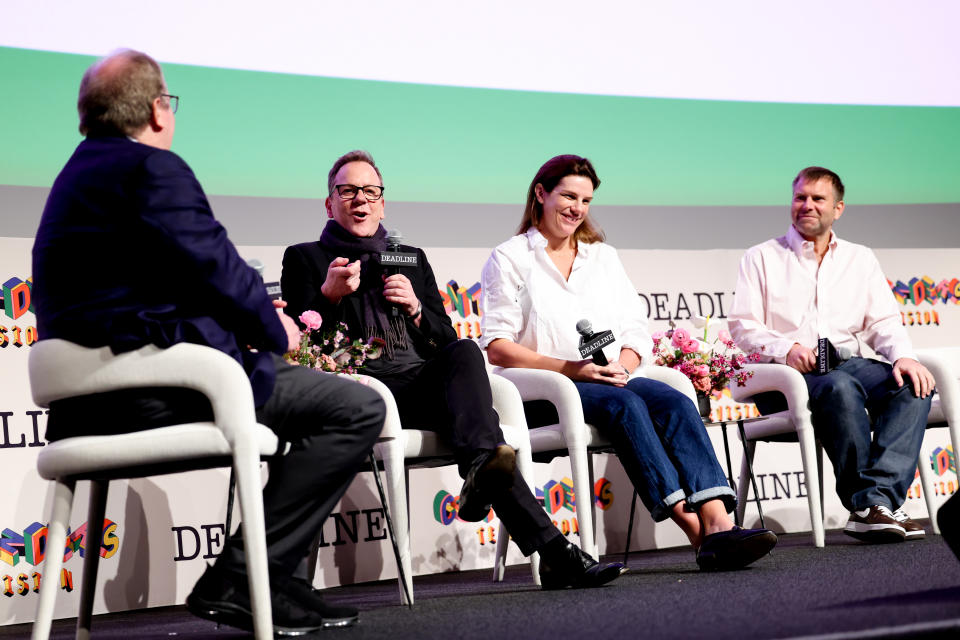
{"type": "Point", "coordinates": [724, 493]}
{"type": "Point", "coordinates": [662, 511]}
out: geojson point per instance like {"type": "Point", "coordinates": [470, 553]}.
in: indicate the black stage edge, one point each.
{"type": "Point", "coordinates": [845, 590]}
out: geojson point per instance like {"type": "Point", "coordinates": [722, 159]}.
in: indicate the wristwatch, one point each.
{"type": "Point", "coordinates": [416, 314]}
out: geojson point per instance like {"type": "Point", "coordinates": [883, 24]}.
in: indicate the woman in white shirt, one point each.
{"type": "Point", "coordinates": [536, 287]}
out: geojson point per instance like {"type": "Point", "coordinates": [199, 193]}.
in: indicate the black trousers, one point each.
{"type": "Point", "coordinates": [450, 394]}
{"type": "Point", "coordinates": [330, 422]}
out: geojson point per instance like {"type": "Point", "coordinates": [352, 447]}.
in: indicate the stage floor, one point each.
{"type": "Point", "coordinates": [845, 590]}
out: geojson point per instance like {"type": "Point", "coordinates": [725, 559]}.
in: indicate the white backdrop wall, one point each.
{"type": "Point", "coordinates": [164, 529]}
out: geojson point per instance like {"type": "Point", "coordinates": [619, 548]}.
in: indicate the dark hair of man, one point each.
{"type": "Point", "coordinates": [550, 174]}
{"type": "Point", "coordinates": [815, 174]}
{"type": "Point", "coordinates": [351, 156]}
{"type": "Point", "coordinates": [117, 94]}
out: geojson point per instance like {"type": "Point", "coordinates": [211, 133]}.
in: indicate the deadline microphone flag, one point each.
{"type": "Point", "coordinates": [393, 258]}
{"type": "Point", "coordinates": [592, 344]}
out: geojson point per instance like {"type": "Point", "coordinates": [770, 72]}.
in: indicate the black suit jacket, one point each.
{"type": "Point", "coordinates": [128, 253]}
{"type": "Point", "coordinates": [305, 269]}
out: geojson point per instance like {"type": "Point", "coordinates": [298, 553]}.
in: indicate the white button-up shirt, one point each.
{"type": "Point", "coordinates": [526, 300]}
{"type": "Point", "coordinates": [784, 297]}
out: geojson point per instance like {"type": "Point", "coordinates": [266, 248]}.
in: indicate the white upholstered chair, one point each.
{"type": "Point", "coordinates": [400, 448]}
{"type": "Point", "coordinates": [944, 363]}
{"type": "Point", "coordinates": [61, 369]}
{"type": "Point", "coordinates": [573, 435]}
{"type": "Point", "coordinates": [795, 422]}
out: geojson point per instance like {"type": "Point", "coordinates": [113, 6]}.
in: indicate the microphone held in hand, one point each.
{"type": "Point", "coordinates": [392, 259]}
{"type": "Point", "coordinates": [829, 357]}
{"type": "Point", "coordinates": [273, 288]}
{"type": "Point", "coordinates": [592, 344]}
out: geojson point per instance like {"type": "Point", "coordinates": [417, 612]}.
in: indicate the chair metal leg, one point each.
{"type": "Point", "coordinates": [743, 486]}
{"type": "Point", "coordinates": [96, 512]}
{"type": "Point", "coordinates": [823, 511]}
{"type": "Point", "coordinates": [753, 478]}
{"type": "Point", "coordinates": [393, 537]}
{"type": "Point", "coordinates": [633, 512]}
{"type": "Point", "coordinates": [230, 492]}
{"type": "Point", "coordinates": [390, 452]}
{"type": "Point", "coordinates": [53, 558]}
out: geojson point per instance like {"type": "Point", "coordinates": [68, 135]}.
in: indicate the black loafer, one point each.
{"type": "Point", "coordinates": [734, 549]}
{"type": "Point", "coordinates": [301, 592]}
{"type": "Point", "coordinates": [491, 473]}
{"type": "Point", "coordinates": [563, 564]}
{"type": "Point", "coordinates": [223, 597]}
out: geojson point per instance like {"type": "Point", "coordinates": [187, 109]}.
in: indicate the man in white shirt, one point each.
{"type": "Point", "coordinates": [806, 285]}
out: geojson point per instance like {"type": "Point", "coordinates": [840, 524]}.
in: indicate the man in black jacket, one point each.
{"type": "Point", "coordinates": [128, 254]}
{"type": "Point", "coordinates": [439, 382]}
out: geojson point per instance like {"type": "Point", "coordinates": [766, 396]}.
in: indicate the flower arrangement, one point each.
{"type": "Point", "coordinates": [709, 365]}
{"type": "Point", "coordinates": [331, 351]}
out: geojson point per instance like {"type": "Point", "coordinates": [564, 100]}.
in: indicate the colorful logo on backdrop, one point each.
{"type": "Point", "coordinates": [15, 302]}
{"type": "Point", "coordinates": [943, 461]}
{"type": "Point", "coordinates": [28, 547]}
{"type": "Point", "coordinates": [917, 291]}
{"type": "Point", "coordinates": [462, 304]}
{"type": "Point", "coordinates": [557, 498]}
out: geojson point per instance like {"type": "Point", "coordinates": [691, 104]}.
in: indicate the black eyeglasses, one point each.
{"type": "Point", "coordinates": [349, 191]}
{"type": "Point", "coordinates": [174, 101]}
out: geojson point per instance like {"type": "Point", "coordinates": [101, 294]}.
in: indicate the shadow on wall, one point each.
{"type": "Point", "coordinates": [135, 586]}
{"type": "Point", "coordinates": [354, 561]}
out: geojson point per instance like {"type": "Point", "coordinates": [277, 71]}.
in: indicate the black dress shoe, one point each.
{"type": "Point", "coordinates": [303, 593]}
{"type": "Point", "coordinates": [563, 564]}
{"type": "Point", "coordinates": [491, 473]}
{"type": "Point", "coordinates": [734, 549]}
{"type": "Point", "coordinates": [223, 597]}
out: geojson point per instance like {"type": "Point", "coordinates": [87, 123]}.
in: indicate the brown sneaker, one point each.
{"type": "Point", "coordinates": [875, 524]}
{"type": "Point", "coordinates": [912, 530]}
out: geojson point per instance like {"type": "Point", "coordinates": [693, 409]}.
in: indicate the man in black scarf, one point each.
{"type": "Point", "coordinates": [340, 276]}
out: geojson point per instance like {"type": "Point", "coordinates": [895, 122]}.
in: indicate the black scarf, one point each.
{"type": "Point", "coordinates": [368, 303]}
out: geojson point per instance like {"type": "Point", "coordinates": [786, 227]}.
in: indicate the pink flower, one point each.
{"type": "Point", "coordinates": [690, 346]}
{"type": "Point", "coordinates": [328, 361]}
{"type": "Point", "coordinates": [658, 336]}
{"type": "Point", "coordinates": [724, 336]}
{"type": "Point", "coordinates": [702, 384]}
{"type": "Point", "coordinates": [311, 319]}
{"type": "Point", "coordinates": [703, 370]}
{"type": "Point", "coordinates": [680, 337]}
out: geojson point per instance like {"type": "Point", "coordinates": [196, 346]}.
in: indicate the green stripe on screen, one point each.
{"type": "Point", "coordinates": [275, 135]}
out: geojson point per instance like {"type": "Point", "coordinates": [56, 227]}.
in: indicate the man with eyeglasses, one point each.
{"type": "Point", "coordinates": [439, 382]}
{"type": "Point", "coordinates": [128, 253]}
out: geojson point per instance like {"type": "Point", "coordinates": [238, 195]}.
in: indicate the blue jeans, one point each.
{"type": "Point", "coordinates": [874, 456]}
{"type": "Point", "coordinates": [661, 442]}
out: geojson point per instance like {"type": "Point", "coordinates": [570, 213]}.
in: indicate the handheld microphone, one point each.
{"type": "Point", "coordinates": [592, 344]}
{"type": "Point", "coordinates": [392, 259]}
{"type": "Point", "coordinates": [273, 288]}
